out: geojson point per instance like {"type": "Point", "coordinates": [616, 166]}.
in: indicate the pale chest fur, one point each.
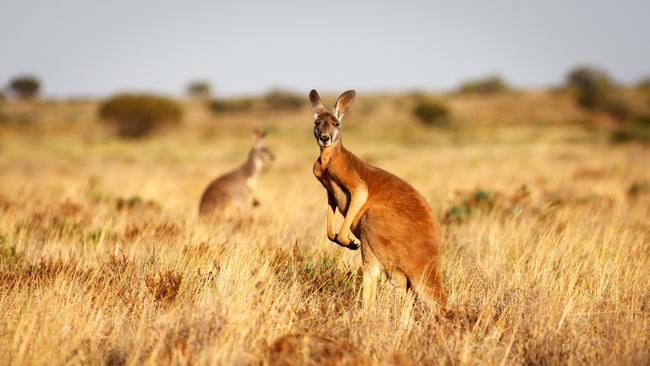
{"type": "Point", "coordinates": [251, 180]}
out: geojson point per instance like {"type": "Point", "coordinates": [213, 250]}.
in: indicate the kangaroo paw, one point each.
{"type": "Point", "coordinates": [350, 244]}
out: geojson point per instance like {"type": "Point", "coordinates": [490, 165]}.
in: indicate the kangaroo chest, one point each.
{"type": "Point", "coordinates": [341, 195]}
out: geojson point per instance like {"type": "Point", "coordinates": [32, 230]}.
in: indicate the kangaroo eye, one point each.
{"type": "Point", "coordinates": [336, 124]}
{"type": "Point", "coordinates": [317, 121]}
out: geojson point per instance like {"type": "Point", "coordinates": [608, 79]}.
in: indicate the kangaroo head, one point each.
{"type": "Point", "coordinates": [260, 153]}
{"type": "Point", "coordinates": [327, 128]}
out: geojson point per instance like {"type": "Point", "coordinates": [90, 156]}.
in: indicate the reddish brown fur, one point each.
{"type": "Point", "coordinates": [396, 226]}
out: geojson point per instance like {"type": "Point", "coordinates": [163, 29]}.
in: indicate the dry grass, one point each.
{"type": "Point", "coordinates": [104, 261]}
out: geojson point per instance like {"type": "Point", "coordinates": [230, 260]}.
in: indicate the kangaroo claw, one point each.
{"type": "Point", "coordinates": [351, 244]}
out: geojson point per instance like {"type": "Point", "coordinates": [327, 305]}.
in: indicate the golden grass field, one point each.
{"type": "Point", "coordinates": [103, 259]}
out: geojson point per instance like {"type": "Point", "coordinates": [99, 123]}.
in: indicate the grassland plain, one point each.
{"type": "Point", "coordinates": [103, 259]}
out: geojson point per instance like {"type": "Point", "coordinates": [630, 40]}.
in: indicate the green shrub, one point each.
{"type": "Point", "coordinates": [278, 99]}
{"type": "Point", "coordinates": [231, 105]}
{"type": "Point", "coordinates": [592, 87]}
{"type": "Point", "coordinates": [137, 115]}
{"type": "Point", "coordinates": [489, 85]}
{"type": "Point", "coordinates": [431, 112]}
{"type": "Point", "coordinates": [594, 90]}
{"type": "Point", "coordinates": [25, 87]}
{"type": "Point", "coordinates": [199, 90]}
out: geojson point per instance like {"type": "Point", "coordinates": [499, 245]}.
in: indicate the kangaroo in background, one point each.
{"type": "Point", "coordinates": [396, 226]}
{"type": "Point", "coordinates": [234, 191]}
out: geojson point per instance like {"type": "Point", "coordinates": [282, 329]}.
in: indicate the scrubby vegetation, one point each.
{"type": "Point", "coordinates": [636, 130]}
{"type": "Point", "coordinates": [275, 100]}
{"type": "Point", "coordinates": [279, 99]}
{"type": "Point", "coordinates": [138, 115]}
{"type": "Point", "coordinates": [232, 105]}
{"type": "Point", "coordinates": [431, 112]}
{"type": "Point", "coordinates": [493, 84]}
{"type": "Point", "coordinates": [25, 87]}
{"type": "Point", "coordinates": [199, 89]}
{"type": "Point", "coordinates": [595, 90]}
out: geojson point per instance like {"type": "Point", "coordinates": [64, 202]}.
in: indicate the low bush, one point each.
{"type": "Point", "coordinates": [231, 105]}
{"type": "Point", "coordinates": [489, 85]}
{"type": "Point", "coordinates": [596, 91]}
{"type": "Point", "coordinates": [199, 90]}
{"type": "Point", "coordinates": [137, 115]}
{"type": "Point", "coordinates": [431, 112]}
{"type": "Point", "coordinates": [278, 99]}
{"type": "Point", "coordinates": [25, 87]}
{"type": "Point", "coordinates": [592, 86]}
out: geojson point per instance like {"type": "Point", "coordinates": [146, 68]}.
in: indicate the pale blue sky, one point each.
{"type": "Point", "coordinates": [84, 47]}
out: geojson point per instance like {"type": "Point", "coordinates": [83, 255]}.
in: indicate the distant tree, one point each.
{"type": "Point", "coordinates": [595, 90]}
{"type": "Point", "coordinates": [593, 87]}
{"type": "Point", "coordinates": [137, 115]}
{"type": "Point", "coordinates": [199, 89]}
{"type": "Point", "coordinates": [493, 84]}
{"type": "Point", "coordinates": [431, 112]}
{"type": "Point", "coordinates": [25, 87]}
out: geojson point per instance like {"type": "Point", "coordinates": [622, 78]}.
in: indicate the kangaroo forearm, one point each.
{"type": "Point", "coordinates": [330, 223]}
{"type": "Point", "coordinates": [357, 201]}
{"type": "Point", "coordinates": [358, 216]}
{"type": "Point", "coordinates": [331, 209]}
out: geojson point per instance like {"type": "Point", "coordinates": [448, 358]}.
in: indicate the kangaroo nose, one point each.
{"type": "Point", "coordinates": [324, 138]}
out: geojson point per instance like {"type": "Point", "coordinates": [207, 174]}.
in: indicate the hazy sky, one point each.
{"type": "Point", "coordinates": [85, 47]}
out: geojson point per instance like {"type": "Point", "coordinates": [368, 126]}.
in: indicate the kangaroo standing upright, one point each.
{"type": "Point", "coordinates": [396, 226]}
{"type": "Point", "coordinates": [233, 191]}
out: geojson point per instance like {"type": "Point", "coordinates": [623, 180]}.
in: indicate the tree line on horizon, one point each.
{"type": "Point", "coordinates": [139, 114]}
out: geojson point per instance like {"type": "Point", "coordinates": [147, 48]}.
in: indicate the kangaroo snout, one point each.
{"type": "Point", "coordinates": [324, 138]}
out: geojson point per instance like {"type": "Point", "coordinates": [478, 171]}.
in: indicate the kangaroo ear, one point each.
{"type": "Point", "coordinates": [343, 103]}
{"type": "Point", "coordinates": [314, 98]}
{"type": "Point", "coordinates": [257, 136]}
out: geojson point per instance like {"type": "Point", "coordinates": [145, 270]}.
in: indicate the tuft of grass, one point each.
{"type": "Point", "coordinates": [164, 286]}
{"type": "Point", "coordinates": [481, 201]}
{"type": "Point", "coordinates": [10, 258]}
